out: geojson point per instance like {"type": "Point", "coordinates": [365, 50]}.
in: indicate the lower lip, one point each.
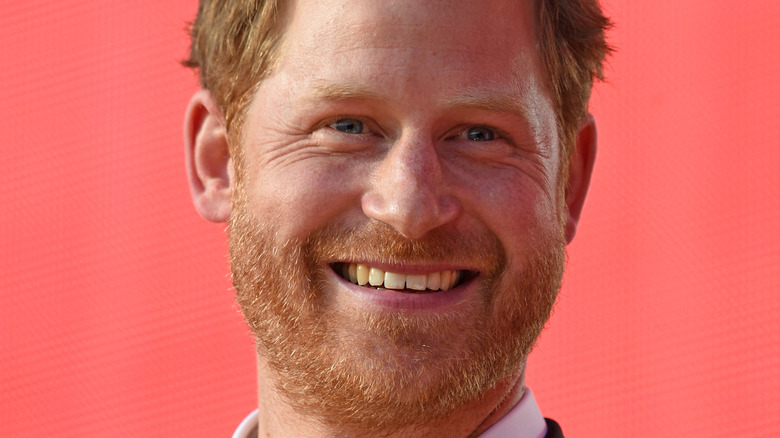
{"type": "Point", "coordinates": [394, 300]}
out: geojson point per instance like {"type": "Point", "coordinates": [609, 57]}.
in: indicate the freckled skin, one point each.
{"type": "Point", "coordinates": [422, 79]}
{"type": "Point", "coordinates": [508, 185]}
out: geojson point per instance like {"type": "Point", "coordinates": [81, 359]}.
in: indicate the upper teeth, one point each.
{"type": "Point", "coordinates": [363, 274]}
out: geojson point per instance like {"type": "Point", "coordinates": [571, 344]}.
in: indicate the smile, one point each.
{"type": "Point", "coordinates": [369, 276]}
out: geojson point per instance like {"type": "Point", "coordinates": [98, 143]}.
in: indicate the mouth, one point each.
{"type": "Point", "coordinates": [372, 277]}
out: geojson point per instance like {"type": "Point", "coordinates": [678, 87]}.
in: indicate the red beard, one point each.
{"type": "Point", "coordinates": [365, 371]}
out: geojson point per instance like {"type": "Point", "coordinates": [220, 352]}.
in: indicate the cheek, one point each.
{"type": "Point", "coordinates": [527, 217]}
{"type": "Point", "coordinates": [297, 199]}
{"type": "Point", "coordinates": [517, 208]}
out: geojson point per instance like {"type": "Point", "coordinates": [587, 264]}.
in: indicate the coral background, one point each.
{"type": "Point", "coordinates": [116, 314]}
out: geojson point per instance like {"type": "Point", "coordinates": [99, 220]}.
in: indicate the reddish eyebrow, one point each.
{"type": "Point", "coordinates": [492, 101]}
{"type": "Point", "coordinates": [499, 103]}
{"type": "Point", "coordinates": [337, 92]}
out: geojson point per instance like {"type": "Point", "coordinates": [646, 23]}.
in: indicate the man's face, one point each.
{"type": "Point", "coordinates": [414, 138]}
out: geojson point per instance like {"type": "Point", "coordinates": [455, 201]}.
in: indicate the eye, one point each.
{"type": "Point", "coordinates": [348, 126]}
{"type": "Point", "coordinates": [479, 133]}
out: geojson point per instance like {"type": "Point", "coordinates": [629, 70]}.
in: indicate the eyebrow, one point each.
{"type": "Point", "coordinates": [336, 92]}
{"type": "Point", "coordinates": [480, 99]}
{"type": "Point", "coordinates": [489, 101]}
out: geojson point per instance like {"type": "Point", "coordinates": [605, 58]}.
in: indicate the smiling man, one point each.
{"type": "Point", "coordinates": [400, 180]}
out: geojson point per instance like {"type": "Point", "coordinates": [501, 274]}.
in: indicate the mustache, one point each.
{"type": "Point", "coordinates": [375, 241]}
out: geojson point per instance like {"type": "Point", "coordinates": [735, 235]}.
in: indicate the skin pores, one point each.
{"type": "Point", "coordinates": [413, 137]}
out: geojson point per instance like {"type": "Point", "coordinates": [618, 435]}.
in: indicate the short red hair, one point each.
{"type": "Point", "coordinates": [234, 41]}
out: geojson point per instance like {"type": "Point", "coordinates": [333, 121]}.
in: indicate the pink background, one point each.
{"type": "Point", "coordinates": [116, 315]}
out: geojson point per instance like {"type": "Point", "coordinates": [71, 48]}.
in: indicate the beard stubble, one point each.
{"type": "Point", "coordinates": [367, 372]}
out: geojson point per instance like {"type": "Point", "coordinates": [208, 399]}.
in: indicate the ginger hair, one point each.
{"type": "Point", "coordinates": [234, 46]}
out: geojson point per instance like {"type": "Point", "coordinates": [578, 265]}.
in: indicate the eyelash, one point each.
{"type": "Point", "coordinates": [368, 127]}
{"type": "Point", "coordinates": [359, 121]}
{"type": "Point", "coordinates": [494, 133]}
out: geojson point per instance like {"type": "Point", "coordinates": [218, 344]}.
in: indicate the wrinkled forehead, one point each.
{"type": "Point", "coordinates": [417, 55]}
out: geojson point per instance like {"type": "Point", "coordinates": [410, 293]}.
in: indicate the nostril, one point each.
{"type": "Point", "coordinates": [410, 212]}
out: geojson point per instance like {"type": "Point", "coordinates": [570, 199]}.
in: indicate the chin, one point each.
{"type": "Point", "coordinates": [369, 366]}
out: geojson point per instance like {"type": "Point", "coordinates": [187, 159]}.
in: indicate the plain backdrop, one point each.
{"type": "Point", "coordinates": [116, 313]}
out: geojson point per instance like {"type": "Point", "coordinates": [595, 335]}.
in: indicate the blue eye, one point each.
{"type": "Point", "coordinates": [479, 133]}
{"type": "Point", "coordinates": [348, 126]}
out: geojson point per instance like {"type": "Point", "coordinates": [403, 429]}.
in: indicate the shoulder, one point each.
{"type": "Point", "coordinates": [553, 429]}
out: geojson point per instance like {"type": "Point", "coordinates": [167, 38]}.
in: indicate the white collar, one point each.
{"type": "Point", "coordinates": [523, 421]}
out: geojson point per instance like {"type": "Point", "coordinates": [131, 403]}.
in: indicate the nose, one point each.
{"type": "Point", "coordinates": [408, 190]}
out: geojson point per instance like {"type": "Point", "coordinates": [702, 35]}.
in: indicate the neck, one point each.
{"type": "Point", "coordinates": [278, 419]}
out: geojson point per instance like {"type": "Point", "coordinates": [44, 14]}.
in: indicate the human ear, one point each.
{"type": "Point", "coordinates": [209, 167]}
{"type": "Point", "coordinates": [580, 169]}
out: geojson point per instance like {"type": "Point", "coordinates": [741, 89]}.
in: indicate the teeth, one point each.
{"type": "Point", "coordinates": [394, 281]}
{"type": "Point", "coordinates": [363, 274]}
{"type": "Point", "coordinates": [434, 281]}
{"type": "Point", "coordinates": [445, 280]}
{"type": "Point", "coordinates": [416, 282]}
{"type": "Point", "coordinates": [376, 277]}
{"type": "Point", "coordinates": [352, 271]}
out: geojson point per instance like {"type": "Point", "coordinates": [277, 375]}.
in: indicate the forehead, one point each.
{"type": "Point", "coordinates": [405, 20]}
{"type": "Point", "coordinates": [457, 43]}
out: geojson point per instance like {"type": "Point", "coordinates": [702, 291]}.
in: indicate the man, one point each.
{"type": "Point", "coordinates": [399, 179]}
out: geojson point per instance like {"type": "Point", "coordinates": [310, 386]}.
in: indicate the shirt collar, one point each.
{"type": "Point", "coordinates": [523, 421]}
{"type": "Point", "coordinates": [248, 427]}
